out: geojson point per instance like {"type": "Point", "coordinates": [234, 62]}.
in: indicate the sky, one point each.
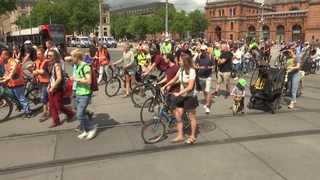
{"type": "Point", "coordinates": [187, 5]}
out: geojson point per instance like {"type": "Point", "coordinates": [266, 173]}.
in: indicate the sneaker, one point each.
{"type": "Point", "coordinates": [215, 94]}
{"type": "Point", "coordinates": [207, 110]}
{"type": "Point", "coordinates": [236, 78]}
{"type": "Point", "coordinates": [28, 116]}
{"type": "Point", "coordinates": [83, 135]}
{"type": "Point", "coordinates": [92, 133]}
{"type": "Point", "coordinates": [291, 105]}
{"type": "Point", "coordinates": [44, 117]}
{"type": "Point", "coordinates": [69, 118]}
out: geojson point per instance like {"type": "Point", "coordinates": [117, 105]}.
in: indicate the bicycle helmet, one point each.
{"type": "Point", "coordinates": [242, 82]}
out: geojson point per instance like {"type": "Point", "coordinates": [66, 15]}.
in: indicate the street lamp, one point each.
{"type": "Point", "coordinates": [262, 22]}
{"type": "Point", "coordinates": [51, 2]}
{"type": "Point", "coordinates": [100, 26]}
{"type": "Point", "coordinates": [167, 34]}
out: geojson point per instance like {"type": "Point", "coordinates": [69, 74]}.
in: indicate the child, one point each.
{"type": "Point", "coordinates": [239, 93]}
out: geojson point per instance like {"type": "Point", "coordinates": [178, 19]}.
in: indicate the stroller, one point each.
{"type": "Point", "coordinates": [266, 87]}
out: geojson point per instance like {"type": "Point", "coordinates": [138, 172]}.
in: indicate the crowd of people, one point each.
{"type": "Point", "coordinates": [186, 69]}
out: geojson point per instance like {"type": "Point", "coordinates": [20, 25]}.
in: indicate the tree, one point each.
{"type": "Point", "coordinates": [198, 22]}
{"type": "Point", "coordinates": [75, 15]}
{"type": "Point", "coordinates": [121, 25]}
{"type": "Point", "coordinates": [7, 6]}
{"type": "Point", "coordinates": [181, 23]}
{"type": "Point", "coordinates": [23, 22]}
{"type": "Point", "coordinates": [138, 26]}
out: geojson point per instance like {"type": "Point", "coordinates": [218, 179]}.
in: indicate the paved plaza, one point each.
{"type": "Point", "coordinates": [255, 145]}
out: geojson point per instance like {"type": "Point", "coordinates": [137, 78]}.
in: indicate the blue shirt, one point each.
{"type": "Point", "coordinates": [87, 60]}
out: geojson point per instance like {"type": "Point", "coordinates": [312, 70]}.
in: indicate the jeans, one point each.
{"type": "Point", "coordinates": [82, 104]}
{"type": "Point", "coordinates": [55, 104]}
{"type": "Point", "coordinates": [236, 68]}
{"type": "Point", "coordinates": [44, 93]}
{"type": "Point", "coordinates": [245, 66]}
{"type": "Point", "coordinates": [317, 65]}
{"type": "Point", "coordinates": [18, 93]}
{"type": "Point", "coordinates": [103, 69]}
{"type": "Point", "coordinates": [293, 82]}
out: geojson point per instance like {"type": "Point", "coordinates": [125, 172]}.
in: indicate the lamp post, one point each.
{"type": "Point", "coordinates": [50, 1]}
{"type": "Point", "coordinates": [100, 26]}
{"type": "Point", "coordinates": [167, 34]}
{"type": "Point", "coordinates": [262, 22]}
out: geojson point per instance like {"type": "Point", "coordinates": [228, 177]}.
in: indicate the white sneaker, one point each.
{"type": "Point", "coordinates": [83, 135]}
{"type": "Point", "coordinates": [207, 110]}
{"type": "Point", "coordinates": [92, 133]}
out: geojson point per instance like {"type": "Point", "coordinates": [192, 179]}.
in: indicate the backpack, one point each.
{"type": "Point", "coordinates": [94, 81]}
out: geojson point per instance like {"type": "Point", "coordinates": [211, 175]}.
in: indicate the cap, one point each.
{"type": "Point", "coordinates": [27, 42]}
{"type": "Point", "coordinates": [167, 39]}
{"type": "Point", "coordinates": [216, 44]}
{"type": "Point", "coordinates": [204, 47]}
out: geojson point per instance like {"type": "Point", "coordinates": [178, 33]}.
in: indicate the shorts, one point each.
{"type": "Point", "coordinates": [130, 72]}
{"type": "Point", "coordinates": [224, 77]}
{"type": "Point", "coordinates": [187, 102]}
{"type": "Point", "coordinates": [44, 93]}
{"type": "Point", "coordinates": [205, 83]}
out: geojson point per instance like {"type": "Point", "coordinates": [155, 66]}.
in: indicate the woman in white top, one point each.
{"type": "Point", "coordinates": [186, 99]}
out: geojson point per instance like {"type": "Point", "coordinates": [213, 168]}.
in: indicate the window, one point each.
{"type": "Point", "coordinates": [231, 37]}
{"type": "Point", "coordinates": [231, 25]}
{"type": "Point", "coordinates": [23, 5]}
{"type": "Point", "coordinates": [231, 13]}
{"type": "Point", "coordinates": [234, 11]}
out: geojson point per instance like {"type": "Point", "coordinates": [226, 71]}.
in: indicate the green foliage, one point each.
{"type": "Point", "coordinates": [76, 15]}
{"type": "Point", "coordinates": [198, 21]}
{"type": "Point", "coordinates": [7, 6]}
{"type": "Point", "coordinates": [178, 22]}
{"type": "Point", "coordinates": [181, 23]}
{"type": "Point", "coordinates": [23, 21]}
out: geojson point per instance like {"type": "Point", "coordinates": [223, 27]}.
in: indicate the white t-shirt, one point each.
{"type": "Point", "coordinates": [185, 78]}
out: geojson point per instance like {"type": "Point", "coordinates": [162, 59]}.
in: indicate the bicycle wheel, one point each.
{"type": "Point", "coordinates": [149, 110]}
{"type": "Point", "coordinates": [33, 97]}
{"type": "Point", "coordinates": [153, 131]}
{"type": "Point", "coordinates": [140, 93]}
{"type": "Point", "coordinates": [5, 107]}
{"type": "Point", "coordinates": [252, 65]}
{"type": "Point", "coordinates": [112, 87]}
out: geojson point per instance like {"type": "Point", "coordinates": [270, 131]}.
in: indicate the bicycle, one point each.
{"type": "Point", "coordinates": [143, 90]}
{"type": "Point", "coordinates": [113, 86]}
{"type": "Point", "coordinates": [6, 103]}
{"type": "Point", "coordinates": [157, 129]}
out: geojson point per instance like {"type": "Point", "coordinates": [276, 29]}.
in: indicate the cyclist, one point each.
{"type": "Point", "coordinates": [186, 99]}
{"type": "Point", "coordinates": [129, 67]}
{"type": "Point", "coordinates": [158, 62]}
{"type": "Point", "coordinates": [14, 79]}
{"type": "Point", "coordinates": [239, 93]}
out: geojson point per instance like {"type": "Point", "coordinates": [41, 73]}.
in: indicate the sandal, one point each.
{"type": "Point", "coordinates": [176, 140]}
{"type": "Point", "coordinates": [190, 140]}
{"type": "Point", "coordinates": [125, 96]}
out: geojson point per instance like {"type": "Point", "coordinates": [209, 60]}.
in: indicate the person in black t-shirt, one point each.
{"type": "Point", "coordinates": [225, 68]}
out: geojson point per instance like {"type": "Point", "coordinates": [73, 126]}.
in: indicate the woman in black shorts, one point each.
{"type": "Point", "coordinates": [186, 98]}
